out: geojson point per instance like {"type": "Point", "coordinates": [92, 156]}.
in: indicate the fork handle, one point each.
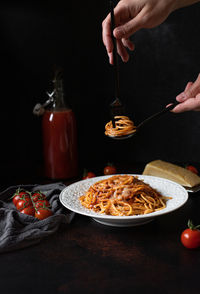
{"type": "Point", "coordinates": [115, 56]}
{"type": "Point", "coordinates": [157, 115]}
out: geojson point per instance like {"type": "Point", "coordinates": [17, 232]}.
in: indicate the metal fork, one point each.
{"type": "Point", "coordinates": [148, 120]}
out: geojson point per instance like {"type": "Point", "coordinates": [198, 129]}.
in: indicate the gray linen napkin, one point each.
{"type": "Point", "coordinates": [18, 230]}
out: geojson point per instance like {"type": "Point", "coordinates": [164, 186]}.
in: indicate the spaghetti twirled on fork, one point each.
{"type": "Point", "coordinates": [123, 195]}
{"type": "Point", "coordinates": [123, 126]}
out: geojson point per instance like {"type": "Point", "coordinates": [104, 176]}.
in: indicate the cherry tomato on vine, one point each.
{"type": "Point", "coordinates": [42, 213]}
{"type": "Point", "coordinates": [19, 195]}
{"type": "Point", "coordinates": [190, 237]}
{"type": "Point", "coordinates": [88, 175]}
{"type": "Point", "coordinates": [16, 198]}
{"type": "Point", "coordinates": [28, 210]}
{"type": "Point", "coordinates": [34, 203]}
{"type": "Point", "coordinates": [192, 169]}
{"type": "Point", "coordinates": [23, 203]}
{"type": "Point", "coordinates": [42, 204]}
{"type": "Point", "coordinates": [110, 169]}
{"type": "Point", "coordinates": [37, 196]}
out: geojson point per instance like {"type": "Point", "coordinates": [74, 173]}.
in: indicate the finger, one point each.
{"type": "Point", "coordinates": [168, 105]}
{"type": "Point", "coordinates": [128, 44]}
{"type": "Point", "coordinates": [189, 84]}
{"type": "Point", "coordinates": [188, 105]}
{"type": "Point", "coordinates": [198, 107]}
{"type": "Point", "coordinates": [193, 90]}
{"type": "Point", "coordinates": [106, 34]}
{"type": "Point", "coordinates": [111, 59]}
{"type": "Point", "coordinates": [122, 51]}
{"type": "Point", "coordinates": [181, 96]}
{"type": "Point", "coordinates": [121, 14]}
{"type": "Point", "coordinates": [129, 28]}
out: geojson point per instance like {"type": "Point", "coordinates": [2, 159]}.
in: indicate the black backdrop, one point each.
{"type": "Point", "coordinates": [36, 36]}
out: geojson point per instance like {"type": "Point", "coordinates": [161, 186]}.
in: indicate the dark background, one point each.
{"type": "Point", "coordinates": [37, 36]}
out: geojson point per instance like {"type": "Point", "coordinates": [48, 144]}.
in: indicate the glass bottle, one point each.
{"type": "Point", "coordinates": [59, 136]}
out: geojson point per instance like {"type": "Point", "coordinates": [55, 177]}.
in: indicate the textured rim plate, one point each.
{"type": "Point", "coordinates": [69, 198]}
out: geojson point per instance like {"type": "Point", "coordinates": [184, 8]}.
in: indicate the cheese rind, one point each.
{"type": "Point", "coordinates": [171, 172]}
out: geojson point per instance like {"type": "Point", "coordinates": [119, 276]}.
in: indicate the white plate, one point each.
{"type": "Point", "coordinates": [69, 197]}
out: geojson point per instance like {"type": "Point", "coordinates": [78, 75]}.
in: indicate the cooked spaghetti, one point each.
{"type": "Point", "coordinates": [123, 126]}
{"type": "Point", "coordinates": [123, 195]}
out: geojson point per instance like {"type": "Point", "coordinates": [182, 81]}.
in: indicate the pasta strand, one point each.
{"type": "Point", "coordinates": [123, 195]}
{"type": "Point", "coordinates": [123, 126]}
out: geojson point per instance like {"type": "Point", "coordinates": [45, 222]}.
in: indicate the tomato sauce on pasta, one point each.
{"type": "Point", "coordinates": [123, 126]}
{"type": "Point", "coordinates": [123, 195]}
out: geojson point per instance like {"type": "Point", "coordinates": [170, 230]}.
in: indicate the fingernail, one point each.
{"type": "Point", "coordinates": [110, 58]}
{"type": "Point", "coordinates": [181, 97]}
{"type": "Point", "coordinates": [118, 33]}
{"type": "Point", "coordinates": [125, 59]}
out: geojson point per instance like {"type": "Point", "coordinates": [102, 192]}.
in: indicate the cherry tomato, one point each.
{"type": "Point", "coordinates": [192, 169]}
{"type": "Point", "coordinates": [37, 196]}
{"type": "Point", "coordinates": [15, 199]}
{"type": "Point", "coordinates": [19, 195]}
{"type": "Point", "coordinates": [43, 213]}
{"type": "Point", "coordinates": [89, 175]}
{"type": "Point", "coordinates": [28, 210]}
{"type": "Point", "coordinates": [42, 204]}
{"type": "Point", "coordinates": [190, 237]}
{"type": "Point", "coordinates": [109, 170]}
{"type": "Point", "coordinates": [23, 203]}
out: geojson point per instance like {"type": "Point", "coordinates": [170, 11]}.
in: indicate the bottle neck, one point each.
{"type": "Point", "coordinates": [59, 102]}
{"type": "Point", "coordinates": [59, 97]}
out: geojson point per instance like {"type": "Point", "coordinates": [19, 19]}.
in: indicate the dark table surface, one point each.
{"type": "Point", "coordinates": [88, 257]}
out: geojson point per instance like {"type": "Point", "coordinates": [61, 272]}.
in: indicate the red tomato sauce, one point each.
{"type": "Point", "coordinates": [60, 144]}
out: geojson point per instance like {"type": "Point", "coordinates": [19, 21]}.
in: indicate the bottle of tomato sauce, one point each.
{"type": "Point", "coordinates": [59, 134]}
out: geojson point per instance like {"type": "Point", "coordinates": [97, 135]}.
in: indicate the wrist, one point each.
{"type": "Point", "coordinates": [182, 3]}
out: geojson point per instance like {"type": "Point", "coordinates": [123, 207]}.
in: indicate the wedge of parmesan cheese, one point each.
{"type": "Point", "coordinates": [172, 172]}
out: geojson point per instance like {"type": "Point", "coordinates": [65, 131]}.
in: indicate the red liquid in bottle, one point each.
{"type": "Point", "coordinates": [60, 144]}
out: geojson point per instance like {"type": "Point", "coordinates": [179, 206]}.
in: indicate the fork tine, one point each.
{"type": "Point", "coordinates": [116, 108]}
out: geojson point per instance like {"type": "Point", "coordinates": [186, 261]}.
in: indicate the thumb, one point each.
{"type": "Point", "coordinates": [188, 105]}
{"type": "Point", "coordinates": [128, 29]}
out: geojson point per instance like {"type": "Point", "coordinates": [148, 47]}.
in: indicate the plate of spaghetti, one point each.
{"type": "Point", "coordinates": [124, 200]}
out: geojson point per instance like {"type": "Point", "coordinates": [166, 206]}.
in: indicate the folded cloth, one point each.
{"type": "Point", "coordinates": [18, 230]}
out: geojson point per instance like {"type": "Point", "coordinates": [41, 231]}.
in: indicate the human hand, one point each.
{"type": "Point", "coordinates": [130, 16]}
{"type": "Point", "coordinates": [190, 98]}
